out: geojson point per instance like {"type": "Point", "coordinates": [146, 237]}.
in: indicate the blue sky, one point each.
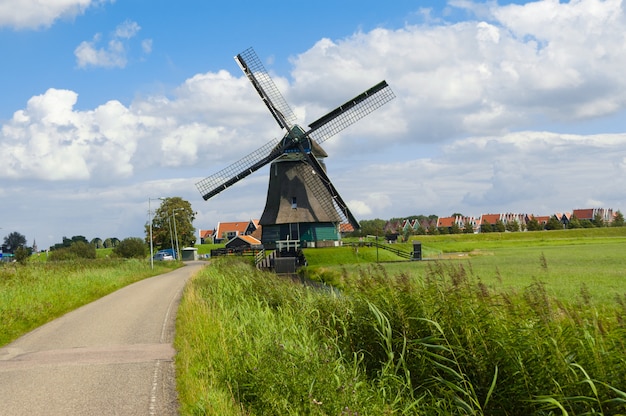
{"type": "Point", "coordinates": [500, 106]}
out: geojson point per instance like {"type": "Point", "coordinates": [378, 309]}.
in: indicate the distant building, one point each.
{"type": "Point", "coordinates": [590, 214]}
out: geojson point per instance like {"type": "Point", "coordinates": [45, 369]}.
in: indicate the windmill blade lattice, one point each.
{"type": "Point", "coordinates": [350, 112]}
{"type": "Point", "coordinates": [251, 65]}
{"type": "Point", "coordinates": [321, 187]}
{"type": "Point", "coordinates": [232, 174]}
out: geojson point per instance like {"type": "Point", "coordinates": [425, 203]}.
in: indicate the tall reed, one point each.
{"type": "Point", "coordinates": [444, 343]}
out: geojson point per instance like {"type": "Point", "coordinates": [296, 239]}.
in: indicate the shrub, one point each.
{"type": "Point", "coordinates": [22, 254]}
{"type": "Point", "coordinates": [132, 247]}
{"type": "Point", "coordinates": [78, 250]}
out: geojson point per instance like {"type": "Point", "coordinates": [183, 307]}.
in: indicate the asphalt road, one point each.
{"type": "Point", "coordinates": [111, 357]}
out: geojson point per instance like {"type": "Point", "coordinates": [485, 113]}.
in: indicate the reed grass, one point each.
{"type": "Point", "coordinates": [441, 343]}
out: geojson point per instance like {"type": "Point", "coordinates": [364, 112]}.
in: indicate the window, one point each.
{"type": "Point", "coordinates": [294, 203]}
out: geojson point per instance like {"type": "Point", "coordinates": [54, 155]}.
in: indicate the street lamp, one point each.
{"type": "Point", "coordinates": [150, 219]}
{"type": "Point", "coordinates": [169, 220]}
{"type": "Point", "coordinates": [175, 232]}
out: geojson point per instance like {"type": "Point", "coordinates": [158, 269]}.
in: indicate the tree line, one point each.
{"type": "Point", "coordinates": [428, 225]}
{"type": "Point", "coordinates": [171, 227]}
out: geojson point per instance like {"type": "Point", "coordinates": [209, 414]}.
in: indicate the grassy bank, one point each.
{"type": "Point", "coordinates": [35, 293]}
{"type": "Point", "coordinates": [251, 343]}
{"type": "Point", "coordinates": [507, 326]}
{"type": "Point", "coordinates": [568, 262]}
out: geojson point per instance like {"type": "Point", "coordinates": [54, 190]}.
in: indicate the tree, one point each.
{"type": "Point", "coordinates": [574, 222]}
{"type": "Point", "coordinates": [372, 227]}
{"type": "Point", "coordinates": [533, 225]}
{"type": "Point", "coordinates": [14, 240]}
{"type": "Point", "coordinates": [554, 224]}
{"type": "Point", "coordinates": [598, 220]}
{"type": "Point", "coordinates": [455, 229]}
{"type": "Point", "coordinates": [22, 254]}
{"type": "Point", "coordinates": [500, 227]}
{"type": "Point", "coordinates": [432, 229]}
{"type": "Point", "coordinates": [132, 247]}
{"type": "Point", "coordinates": [172, 219]}
{"type": "Point", "coordinates": [618, 220]}
{"type": "Point", "coordinates": [97, 242]}
{"type": "Point", "coordinates": [485, 227]}
{"type": "Point", "coordinates": [512, 226]}
{"type": "Point", "coordinates": [468, 228]}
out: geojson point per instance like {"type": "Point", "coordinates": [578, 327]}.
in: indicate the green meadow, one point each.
{"type": "Point", "coordinates": [504, 324]}
{"type": "Point", "coordinates": [40, 291]}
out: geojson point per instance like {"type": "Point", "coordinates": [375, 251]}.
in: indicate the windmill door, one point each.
{"type": "Point", "coordinates": [294, 231]}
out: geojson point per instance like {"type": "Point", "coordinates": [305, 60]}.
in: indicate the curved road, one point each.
{"type": "Point", "coordinates": [111, 357]}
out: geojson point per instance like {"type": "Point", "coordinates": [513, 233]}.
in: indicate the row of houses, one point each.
{"type": "Point", "coordinates": [249, 232]}
{"type": "Point", "coordinates": [464, 222]}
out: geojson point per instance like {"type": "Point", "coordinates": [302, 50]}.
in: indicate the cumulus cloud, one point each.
{"type": "Point", "coordinates": [32, 14]}
{"type": "Point", "coordinates": [115, 53]}
{"type": "Point", "coordinates": [475, 126]}
{"type": "Point", "coordinates": [542, 60]}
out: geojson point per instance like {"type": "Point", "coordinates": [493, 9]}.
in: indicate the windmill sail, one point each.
{"type": "Point", "coordinates": [251, 65]}
{"type": "Point", "coordinates": [350, 112]}
{"type": "Point", "coordinates": [216, 183]}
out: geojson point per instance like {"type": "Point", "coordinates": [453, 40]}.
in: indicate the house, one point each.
{"type": "Point", "coordinates": [446, 222]}
{"type": "Point", "coordinates": [564, 218]}
{"type": "Point", "coordinates": [228, 230]}
{"type": "Point", "coordinates": [459, 221]}
{"type": "Point", "coordinates": [590, 214]}
{"type": "Point", "coordinates": [345, 229]}
{"type": "Point", "coordinates": [242, 242]}
{"type": "Point", "coordinates": [504, 218]}
{"type": "Point", "coordinates": [490, 219]}
{"type": "Point", "coordinates": [206, 236]}
{"type": "Point", "coordinates": [541, 219]}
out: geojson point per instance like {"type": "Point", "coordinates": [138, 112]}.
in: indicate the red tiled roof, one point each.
{"type": "Point", "coordinates": [238, 226]}
{"type": "Point", "coordinates": [346, 228]}
{"type": "Point", "coordinates": [445, 221]}
{"type": "Point", "coordinates": [206, 233]}
{"type": "Point", "coordinates": [490, 218]}
{"type": "Point", "coordinates": [583, 214]}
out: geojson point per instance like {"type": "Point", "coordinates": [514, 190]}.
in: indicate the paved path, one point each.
{"type": "Point", "coordinates": [110, 357]}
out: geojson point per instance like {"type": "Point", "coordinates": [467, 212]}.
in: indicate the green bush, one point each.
{"type": "Point", "coordinates": [78, 250]}
{"type": "Point", "coordinates": [132, 247]}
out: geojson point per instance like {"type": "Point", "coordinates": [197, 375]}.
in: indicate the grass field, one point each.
{"type": "Point", "coordinates": [35, 293]}
{"type": "Point", "coordinates": [501, 324]}
{"type": "Point", "coordinates": [568, 262]}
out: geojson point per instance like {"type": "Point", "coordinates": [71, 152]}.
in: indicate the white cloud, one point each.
{"type": "Point", "coordinates": [32, 14]}
{"type": "Point", "coordinates": [466, 133]}
{"type": "Point", "coordinates": [560, 61]}
{"type": "Point", "coordinates": [114, 55]}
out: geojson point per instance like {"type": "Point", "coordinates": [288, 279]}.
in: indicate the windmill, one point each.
{"type": "Point", "coordinates": [302, 203]}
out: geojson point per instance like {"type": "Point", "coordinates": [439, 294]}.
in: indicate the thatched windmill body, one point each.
{"type": "Point", "coordinates": [302, 204]}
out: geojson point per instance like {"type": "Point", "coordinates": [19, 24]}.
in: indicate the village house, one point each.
{"type": "Point", "coordinates": [591, 213]}
{"type": "Point", "coordinates": [206, 236]}
{"type": "Point", "coordinates": [226, 231]}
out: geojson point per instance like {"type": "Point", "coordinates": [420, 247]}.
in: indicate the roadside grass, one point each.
{"type": "Point", "coordinates": [528, 326]}
{"type": "Point", "coordinates": [38, 292]}
{"type": "Point", "coordinates": [253, 343]}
